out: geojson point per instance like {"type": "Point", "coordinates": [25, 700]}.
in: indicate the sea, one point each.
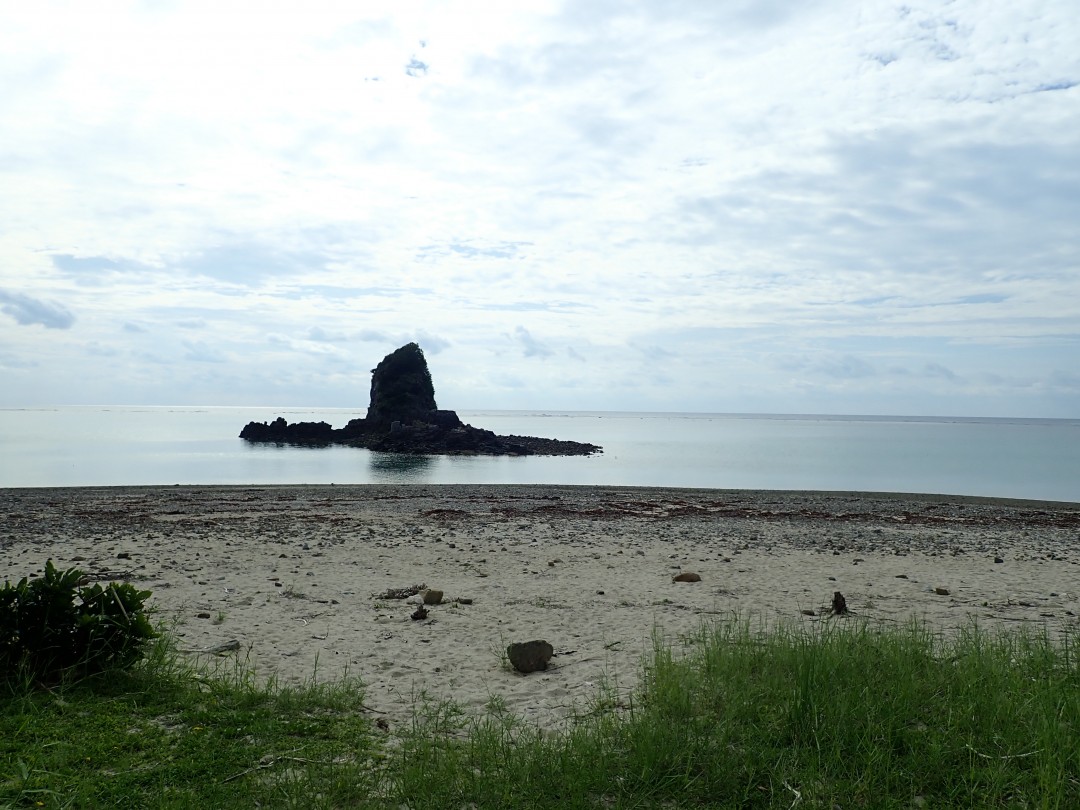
{"type": "Point", "coordinates": [133, 446]}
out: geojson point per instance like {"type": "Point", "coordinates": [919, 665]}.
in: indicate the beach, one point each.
{"type": "Point", "coordinates": [303, 582]}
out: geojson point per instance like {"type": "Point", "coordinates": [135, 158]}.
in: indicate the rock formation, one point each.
{"type": "Point", "coordinates": [403, 418]}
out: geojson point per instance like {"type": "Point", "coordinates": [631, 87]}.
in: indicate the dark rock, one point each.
{"type": "Point", "coordinates": [282, 432]}
{"type": "Point", "coordinates": [530, 656]}
{"type": "Point", "coordinates": [419, 614]}
{"type": "Point", "coordinates": [686, 576]}
{"type": "Point", "coordinates": [839, 604]}
{"type": "Point", "coordinates": [432, 596]}
{"type": "Point", "coordinates": [941, 591]}
{"type": "Point", "coordinates": [404, 418]}
{"type": "Point", "coordinates": [998, 560]}
{"type": "Point", "coordinates": [401, 390]}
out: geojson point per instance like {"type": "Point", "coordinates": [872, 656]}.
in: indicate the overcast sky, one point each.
{"type": "Point", "coordinates": [791, 206]}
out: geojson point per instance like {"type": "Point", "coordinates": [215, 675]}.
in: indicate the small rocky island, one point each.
{"type": "Point", "coordinates": [403, 418]}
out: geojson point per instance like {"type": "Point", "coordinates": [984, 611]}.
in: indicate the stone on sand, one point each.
{"type": "Point", "coordinates": [530, 656]}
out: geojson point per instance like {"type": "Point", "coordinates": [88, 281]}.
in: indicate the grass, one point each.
{"type": "Point", "coordinates": [168, 735]}
{"type": "Point", "coordinates": [842, 715]}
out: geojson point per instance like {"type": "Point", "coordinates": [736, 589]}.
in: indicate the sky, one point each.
{"type": "Point", "coordinates": [731, 206]}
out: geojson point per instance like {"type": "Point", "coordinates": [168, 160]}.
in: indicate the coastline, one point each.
{"type": "Point", "coordinates": [297, 574]}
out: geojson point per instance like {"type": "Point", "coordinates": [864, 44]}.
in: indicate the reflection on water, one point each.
{"type": "Point", "coordinates": [393, 468]}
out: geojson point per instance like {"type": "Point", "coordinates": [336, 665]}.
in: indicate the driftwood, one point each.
{"type": "Point", "coordinates": [401, 593]}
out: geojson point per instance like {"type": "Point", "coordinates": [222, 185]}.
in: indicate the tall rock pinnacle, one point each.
{"type": "Point", "coordinates": [401, 390]}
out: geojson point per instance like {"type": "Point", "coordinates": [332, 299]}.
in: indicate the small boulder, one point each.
{"type": "Point", "coordinates": [839, 604]}
{"type": "Point", "coordinates": [941, 591]}
{"type": "Point", "coordinates": [529, 656]}
{"type": "Point", "coordinates": [432, 597]}
{"type": "Point", "coordinates": [686, 576]}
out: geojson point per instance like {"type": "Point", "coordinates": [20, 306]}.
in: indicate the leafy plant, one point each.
{"type": "Point", "coordinates": [54, 624]}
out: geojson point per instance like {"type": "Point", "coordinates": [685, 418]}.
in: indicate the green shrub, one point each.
{"type": "Point", "coordinates": [52, 625]}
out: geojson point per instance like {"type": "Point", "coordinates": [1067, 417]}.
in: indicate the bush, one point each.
{"type": "Point", "coordinates": [52, 625]}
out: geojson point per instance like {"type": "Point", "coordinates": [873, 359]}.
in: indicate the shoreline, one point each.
{"type": "Point", "coordinates": [299, 574]}
{"type": "Point", "coordinates": [407, 485]}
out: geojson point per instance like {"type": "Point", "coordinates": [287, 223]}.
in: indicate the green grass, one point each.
{"type": "Point", "coordinates": [167, 735]}
{"type": "Point", "coordinates": [842, 715]}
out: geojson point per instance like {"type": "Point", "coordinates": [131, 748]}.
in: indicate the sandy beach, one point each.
{"type": "Point", "coordinates": [304, 577]}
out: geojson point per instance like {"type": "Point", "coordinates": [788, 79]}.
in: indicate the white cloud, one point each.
{"type": "Point", "coordinates": [802, 198]}
{"type": "Point", "coordinates": [530, 346]}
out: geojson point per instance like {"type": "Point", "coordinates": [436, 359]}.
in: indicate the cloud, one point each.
{"type": "Point", "coordinates": [533, 306]}
{"type": "Point", "coordinates": [473, 249]}
{"type": "Point", "coordinates": [199, 351]}
{"type": "Point", "coordinates": [100, 350]}
{"type": "Point", "coordinates": [242, 263]}
{"type": "Point", "coordinates": [317, 333]}
{"type": "Point", "coordinates": [1065, 380]}
{"type": "Point", "coordinates": [1051, 87]}
{"type": "Point", "coordinates": [938, 371]}
{"type": "Point", "coordinates": [432, 344]}
{"type": "Point", "coordinates": [249, 264]}
{"type": "Point", "coordinates": [416, 68]}
{"type": "Point", "coordinates": [847, 367]}
{"type": "Point", "coordinates": [798, 197]}
{"type": "Point", "coordinates": [530, 346]}
{"type": "Point", "coordinates": [374, 336]}
{"type": "Point", "coordinates": [77, 265]}
{"type": "Point", "coordinates": [27, 311]}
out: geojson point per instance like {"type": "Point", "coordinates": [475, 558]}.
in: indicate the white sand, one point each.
{"type": "Point", "coordinates": [293, 573]}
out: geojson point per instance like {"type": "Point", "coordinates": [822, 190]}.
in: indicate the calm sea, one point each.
{"type": "Point", "coordinates": [1014, 458]}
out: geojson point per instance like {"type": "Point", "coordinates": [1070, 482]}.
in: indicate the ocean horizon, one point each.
{"type": "Point", "coordinates": [1002, 457]}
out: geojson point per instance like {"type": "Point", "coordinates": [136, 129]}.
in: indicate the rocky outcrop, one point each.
{"type": "Point", "coordinates": [281, 431]}
{"type": "Point", "coordinates": [404, 418]}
